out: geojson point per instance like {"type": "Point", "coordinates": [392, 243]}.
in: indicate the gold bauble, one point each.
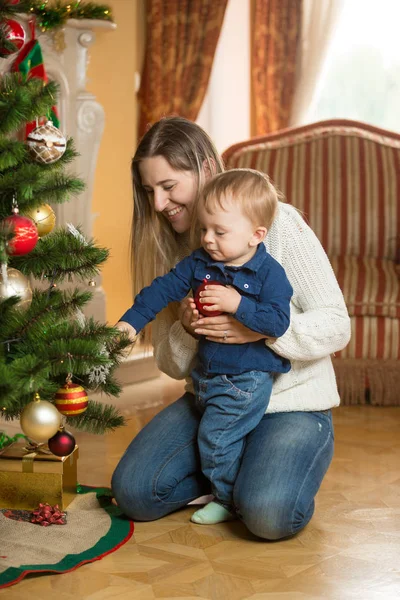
{"type": "Point", "coordinates": [44, 218]}
{"type": "Point", "coordinates": [40, 420]}
{"type": "Point", "coordinates": [16, 285]}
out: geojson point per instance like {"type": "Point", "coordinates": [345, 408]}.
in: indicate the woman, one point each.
{"type": "Point", "coordinates": [289, 452]}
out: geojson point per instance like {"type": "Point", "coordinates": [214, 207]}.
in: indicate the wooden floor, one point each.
{"type": "Point", "coordinates": [350, 550]}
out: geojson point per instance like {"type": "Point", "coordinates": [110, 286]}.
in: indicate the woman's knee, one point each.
{"type": "Point", "coordinates": [272, 518]}
{"type": "Point", "coordinates": [133, 499]}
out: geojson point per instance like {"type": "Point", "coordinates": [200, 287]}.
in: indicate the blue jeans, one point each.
{"type": "Point", "coordinates": [284, 461]}
{"type": "Point", "coordinates": [231, 407]}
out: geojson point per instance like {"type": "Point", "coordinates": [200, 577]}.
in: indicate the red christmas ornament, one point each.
{"type": "Point", "coordinates": [62, 443]}
{"type": "Point", "coordinates": [199, 305]}
{"type": "Point", "coordinates": [15, 33]}
{"type": "Point", "coordinates": [71, 399]}
{"type": "Point", "coordinates": [26, 234]}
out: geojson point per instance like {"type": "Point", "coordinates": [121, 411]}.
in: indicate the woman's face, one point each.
{"type": "Point", "coordinates": [172, 193]}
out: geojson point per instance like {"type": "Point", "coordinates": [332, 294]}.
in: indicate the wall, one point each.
{"type": "Point", "coordinates": [115, 58]}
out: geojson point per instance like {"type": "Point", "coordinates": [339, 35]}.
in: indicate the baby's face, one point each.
{"type": "Point", "coordinates": [227, 235]}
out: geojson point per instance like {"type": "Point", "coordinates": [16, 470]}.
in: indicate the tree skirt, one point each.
{"type": "Point", "coordinates": [94, 528]}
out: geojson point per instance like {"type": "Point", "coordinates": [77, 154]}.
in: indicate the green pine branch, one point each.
{"type": "Point", "coordinates": [97, 418]}
{"type": "Point", "coordinates": [22, 100]}
{"type": "Point", "coordinates": [61, 255]}
{"type": "Point", "coordinates": [12, 153]}
{"type": "Point", "coordinates": [33, 185]}
{"type": "Point", "coordinates": [46, 310]}
{"type": "Point", "coordinates": [10, 11]}
{"type": "Point", "coordinates": [20, 379]}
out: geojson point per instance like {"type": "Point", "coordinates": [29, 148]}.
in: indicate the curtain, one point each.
{"type": "Point", "coordinates": [276, 28]}
{"type": "Point", "coordinates": [182, 36]}
{"type": "Point", "coordinates": [319, 21]}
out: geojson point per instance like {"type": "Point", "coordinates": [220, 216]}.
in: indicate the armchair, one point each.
{"type": "Point", "coordinates": [344, 176]}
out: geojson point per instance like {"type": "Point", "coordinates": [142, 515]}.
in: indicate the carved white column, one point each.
{"type": "Point", "coordinates": [81, 117]}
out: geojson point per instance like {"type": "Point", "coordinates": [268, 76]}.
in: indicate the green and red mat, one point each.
{"type": "Point", "coordinates": [94, 528]}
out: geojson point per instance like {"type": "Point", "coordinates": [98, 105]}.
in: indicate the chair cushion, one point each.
{"type": "Point", "coordinates": [374, 339]}
{"type": "Point", "coordinates": [370, 286]}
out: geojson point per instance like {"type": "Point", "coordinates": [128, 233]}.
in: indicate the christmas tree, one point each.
{"type": "Point", "coordinates": [50, 353]}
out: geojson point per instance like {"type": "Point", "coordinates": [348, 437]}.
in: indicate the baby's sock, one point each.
{"type": "Point", "coordinates": [212, 513]}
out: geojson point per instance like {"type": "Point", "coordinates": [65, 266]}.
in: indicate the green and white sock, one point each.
{"type": "Point", "coordinates": [212, 513]}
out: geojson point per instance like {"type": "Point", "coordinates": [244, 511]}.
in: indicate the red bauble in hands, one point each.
{"type": "Point", "coordinates": [200, 306]}
{"type": "Point", "coordinates": [25, 234]}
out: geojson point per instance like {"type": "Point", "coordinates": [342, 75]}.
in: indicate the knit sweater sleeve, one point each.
{"type": "Point", "coordinates": [320, 324]}
{"type": "Point", "coordinates": [174, 348]}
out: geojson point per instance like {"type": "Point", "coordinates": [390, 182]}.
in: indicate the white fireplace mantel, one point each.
{"type": "Point", "coordinates": [81, 117]}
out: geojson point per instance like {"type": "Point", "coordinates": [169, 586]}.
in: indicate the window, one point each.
{"type": "Point", "coordinates": [225, 113]}
{"type": "Point", "coordinates": [361, 77]}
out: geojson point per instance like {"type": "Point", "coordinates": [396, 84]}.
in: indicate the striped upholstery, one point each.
{"type": "Point", "coordinates": [345, 178]}
{"type": "Point", "coordinates": [371, 286]}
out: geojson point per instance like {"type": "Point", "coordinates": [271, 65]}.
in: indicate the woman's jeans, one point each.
{"type": "Point", "coordinates": [284, 461]}
{"type": "Point", "coordinates": [231, 407]}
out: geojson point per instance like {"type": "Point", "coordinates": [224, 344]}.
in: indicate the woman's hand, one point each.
{"type": "Point", "coordinates": [188, 315]}
{"type": "Point", "coordinates": [225, 328]}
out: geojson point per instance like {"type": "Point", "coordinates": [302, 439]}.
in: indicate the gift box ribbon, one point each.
{"type": "Point", "coordinates": [32, 450]}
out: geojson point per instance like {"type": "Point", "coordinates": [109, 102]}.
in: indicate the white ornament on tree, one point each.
{"type": "Point", "coordinates": [46, 143]}
{"type": "Point", "coordinates": [40, 420]}
{"type": "Point", "coordinates": [99, 373]}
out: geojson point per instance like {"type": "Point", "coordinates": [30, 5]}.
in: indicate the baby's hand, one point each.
{"type": "Point", "coordinates": [127, 328]}
{"type": "Point", "coordinates": [225, 299]}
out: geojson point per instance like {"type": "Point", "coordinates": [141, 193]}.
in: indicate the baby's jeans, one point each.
{"type": "Point", "coordinates": [231, 406]}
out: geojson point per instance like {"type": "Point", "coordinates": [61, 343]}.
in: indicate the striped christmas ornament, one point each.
{"type": "Point", "coordinates": [71, 399]}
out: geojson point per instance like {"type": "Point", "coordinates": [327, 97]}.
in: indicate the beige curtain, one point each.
{"type": "Point", "coordinates": [319, 21]}
{"type": "Point", "coordinates": [276, 34]}
{"type": "Point", "coordinates": [181, 39]}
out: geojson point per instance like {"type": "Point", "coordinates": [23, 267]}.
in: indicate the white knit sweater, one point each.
{"type": "Point", "coordinates": [319, 324]}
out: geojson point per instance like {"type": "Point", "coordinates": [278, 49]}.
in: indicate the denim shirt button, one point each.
{"type": "Point", "coordinates": [246, 286]}
{"type": "Point", "coordinates": [208, 276]}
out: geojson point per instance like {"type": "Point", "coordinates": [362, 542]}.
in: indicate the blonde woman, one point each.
{"type": "Point", "coordinates": [232, 273]}
{"type": "Point", "coordinates": [288, 453]}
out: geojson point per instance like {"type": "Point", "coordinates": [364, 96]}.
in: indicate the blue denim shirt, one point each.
{"type": "Point", "coordinates": [264, 307]}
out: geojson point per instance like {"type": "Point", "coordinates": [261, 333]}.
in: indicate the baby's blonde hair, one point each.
{"type": "Point", "coordinates": [252, 190]}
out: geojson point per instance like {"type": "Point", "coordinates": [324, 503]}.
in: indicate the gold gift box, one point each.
{"type": "Point", "coordinates": [28, 478]}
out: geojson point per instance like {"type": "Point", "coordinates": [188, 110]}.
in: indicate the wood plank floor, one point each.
{"type": "Point", "coordinates": [350, 550]}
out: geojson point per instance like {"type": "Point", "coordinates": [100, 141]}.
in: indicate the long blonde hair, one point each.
{"type": "Point", "coordinates": [186, 147]}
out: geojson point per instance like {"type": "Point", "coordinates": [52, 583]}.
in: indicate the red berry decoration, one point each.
{"type": "Point", "coordinates": [15, 33]}
{"type": "Point", "coordinates": [25, 234]}
{"type": "Point", "coordinates": [200, 306]}
{"type": "Point", "coordinates": [71, 399]}
{"type": "Point", "coordinates": [62, 443]}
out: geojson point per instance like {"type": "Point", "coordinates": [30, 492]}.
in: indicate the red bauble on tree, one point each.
{"type": "Point", "coordinates": [200, 306]}
{"type": "Point", "coordinates": [15, 33]}
{"type": "Point", "coordinates": [62, 443]}
{"type": "Point", "coordinates": [25, 234]}
{"type": "Point", "coordinates": [71, 399]}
